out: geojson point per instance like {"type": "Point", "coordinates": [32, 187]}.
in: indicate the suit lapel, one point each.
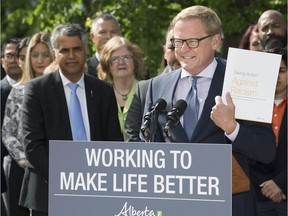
{"type": "Point", "coordinates": [58, 90]}
{"type": "Point", "coordinates": [215, 89]}
{"type": "Point", "coordinates": [283, 128]}
{"type": "Point", "coordinates": [93, 63]}
{"type": "Point", "coordinates": [91, 99]}
{"type": "Point", "coordinates": [168, 92]}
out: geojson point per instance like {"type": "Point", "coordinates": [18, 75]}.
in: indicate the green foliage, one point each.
{"type": "Point", "coordinates": [144, 22]}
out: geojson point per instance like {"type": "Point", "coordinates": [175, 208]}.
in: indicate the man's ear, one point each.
{"type": "Point", "coordinates": [92, 36]}
{"type": "Point", "coordinates": [216, 41]}
{"type": "Point", "coordinates": [164, 51]}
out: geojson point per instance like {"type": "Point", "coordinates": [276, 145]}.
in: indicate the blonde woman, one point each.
{"type": "Point", "coordinates": [38, 57]}
{"type": "Point", "coordinates": [121, 64]}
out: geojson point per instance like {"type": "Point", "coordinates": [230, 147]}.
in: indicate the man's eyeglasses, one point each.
{"type": "Point", "coordinates": [10, 56]}
{"type": "Point", "coordinates": [117, 59]}
{"type": "Point", "coordinates": [191, 42]}
{"type": "Point", "coordinates": [171, 47]}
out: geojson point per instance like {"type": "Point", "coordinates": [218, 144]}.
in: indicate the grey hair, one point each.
{"type": "Point", "coordinates": [104, 16]}
{"type": "Point", "coordinates": [70, 29]}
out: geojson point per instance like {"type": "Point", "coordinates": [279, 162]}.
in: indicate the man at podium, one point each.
{"type": "Point", "coordinates": [197, 35]}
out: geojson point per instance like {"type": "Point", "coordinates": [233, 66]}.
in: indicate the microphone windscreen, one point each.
{"type": "Point", "coordinates": [160, 105]}
{"type": "Point", "coordinates": [180, 105]}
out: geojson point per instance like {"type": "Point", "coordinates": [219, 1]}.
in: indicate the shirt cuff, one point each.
{"type": "Point", "coordinates": [234, 134]}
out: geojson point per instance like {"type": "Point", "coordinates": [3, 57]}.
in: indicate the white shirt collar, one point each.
{"type": "Point", "coordinates": [65, 81]}
{"type": "Point", "coordinates": [208, 72]}
{"type": "Point", "coordinates": [97, 56]}
{"type": "Point", "coordinates": [10, 80]}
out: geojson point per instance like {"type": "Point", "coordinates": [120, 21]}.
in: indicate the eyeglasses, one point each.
{"type": "Point", "coordinates": [171, 47]}
{"type": "Point", "coordinates": [191, 42]}
{"type": "Point", "coordinates": [10, 56]}
{"type": "Point", "coordinates": [22, 57]}
{"type": "Point", "coordinates": [35, 55]}
{"type": "Point", "coordinates": [117, 59]}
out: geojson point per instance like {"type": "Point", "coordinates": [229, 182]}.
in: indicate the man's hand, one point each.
{"type": "Point", "coordinates": [224, 115]}
{"type": "Point", "coordinates": [271, 190]}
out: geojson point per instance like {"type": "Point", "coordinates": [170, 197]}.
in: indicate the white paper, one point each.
{"type": "Point", "coordinates": [251, 78]}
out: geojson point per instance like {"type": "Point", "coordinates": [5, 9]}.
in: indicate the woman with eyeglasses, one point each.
{"type": "Point", "coordinates": [38, 56]}
{"type": "Point", "coordinates": [122, 65]}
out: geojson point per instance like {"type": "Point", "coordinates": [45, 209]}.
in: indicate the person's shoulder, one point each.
{"type": "Point", "coordinates": [143, 82]}
{"type": "Point", "coordinates": [4, 81]}
{"type": "Point", "coordinates": [96, 82]}
{"type": "Point", "coordinates": [167, 76]}
{"type": "Point", "coordinates": [92, 60]}
{"type": "Point", "coordinates": [46, 77]}
{"type": "Point", "coordinates": [44, 80]}
{"type": "Point", "coordinates": [221, 60]}
{"type": "Point", "coordinates": [5, 86]}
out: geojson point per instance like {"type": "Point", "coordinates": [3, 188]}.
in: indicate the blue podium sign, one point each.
{"type": "Point", "coordinates": [139, 179]}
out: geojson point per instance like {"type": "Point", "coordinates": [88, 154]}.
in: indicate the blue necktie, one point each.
{"type": "Point", "coordinates": [191, 113]}
{"type": "Point", "coordinates": [76, 119]}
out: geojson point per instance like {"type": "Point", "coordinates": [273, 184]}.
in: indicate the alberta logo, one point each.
{"type": "Point", "coordinates": [131, 211]}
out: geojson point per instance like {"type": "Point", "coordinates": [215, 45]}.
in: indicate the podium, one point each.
{"type": "Point", "coordinates": [161, 179]}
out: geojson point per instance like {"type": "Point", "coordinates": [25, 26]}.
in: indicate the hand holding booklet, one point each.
{"type": "Point", "coordinates": [251, 79]}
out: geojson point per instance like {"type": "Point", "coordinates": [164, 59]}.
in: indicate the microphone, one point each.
{"type": "Point", "coordinates": [158, 107]}
{"type": "Point", "coordinates": [173, 117]}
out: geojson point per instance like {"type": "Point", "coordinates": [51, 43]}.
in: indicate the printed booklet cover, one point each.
{"type": "Point", "coordinates": [251, 78]}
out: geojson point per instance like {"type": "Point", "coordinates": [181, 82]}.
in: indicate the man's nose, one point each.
{"type": "Point", "coordinates": [71, 53]}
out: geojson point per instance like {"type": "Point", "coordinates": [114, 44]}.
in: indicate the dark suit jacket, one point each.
{"type": "Point", "coordinates": [277, 170]}
{"type": "Point", "coordinates": [135, 113]}
{"type": "Point", "coordinates": [254, 140]}
{"type": "Point", "coordinates": [45, 117]}
{"type": "Point", "coordinates": [136, 110]}
{"type": "Point", "coordinates": [5, 90]}
{"type": "Point", "coordinates": [92, 64]}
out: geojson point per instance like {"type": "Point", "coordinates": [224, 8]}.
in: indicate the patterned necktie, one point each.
{"type": "Point", "coordinates": [191, 113]}
{"type": "Point", "coordinates": [76, 119]}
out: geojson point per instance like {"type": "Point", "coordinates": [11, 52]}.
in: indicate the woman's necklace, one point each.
{"type": "Point", "coordinates": [124, 96]}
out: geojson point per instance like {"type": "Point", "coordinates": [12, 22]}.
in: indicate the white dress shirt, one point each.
{"type": "Point", "coordinates": [11, 81]}
{"type": "Point", "coordinates": [82, 99]}
{"type": "Point", "coordinates": [203, 86]}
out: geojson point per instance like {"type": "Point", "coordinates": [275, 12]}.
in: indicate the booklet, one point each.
{"type": "Point", "coordinates": [251, 78]}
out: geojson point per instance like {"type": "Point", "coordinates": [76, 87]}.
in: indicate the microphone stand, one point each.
{"type": "Point", "coordinates": [149, 133]}
{"type": "Point", "coordinates": [168, 134]}
{"type": "Point", "coordinates": [152, 127]}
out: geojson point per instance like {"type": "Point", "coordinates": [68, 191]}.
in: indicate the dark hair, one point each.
{"type": "Point", "coordinates": [23, 43]}
{"type": "Point", "coordinates": [105, 16]}
{"type": "Point", "coordinates": [276, 43]}
{"type": "Point", "coordinates": [10, 41]}
{"type": "Point", "coordinates": [245, 40]}
{"type": "Point", "coordinates": [278, 50]}
{"type": "Point", "coordinates": [277, 47]}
